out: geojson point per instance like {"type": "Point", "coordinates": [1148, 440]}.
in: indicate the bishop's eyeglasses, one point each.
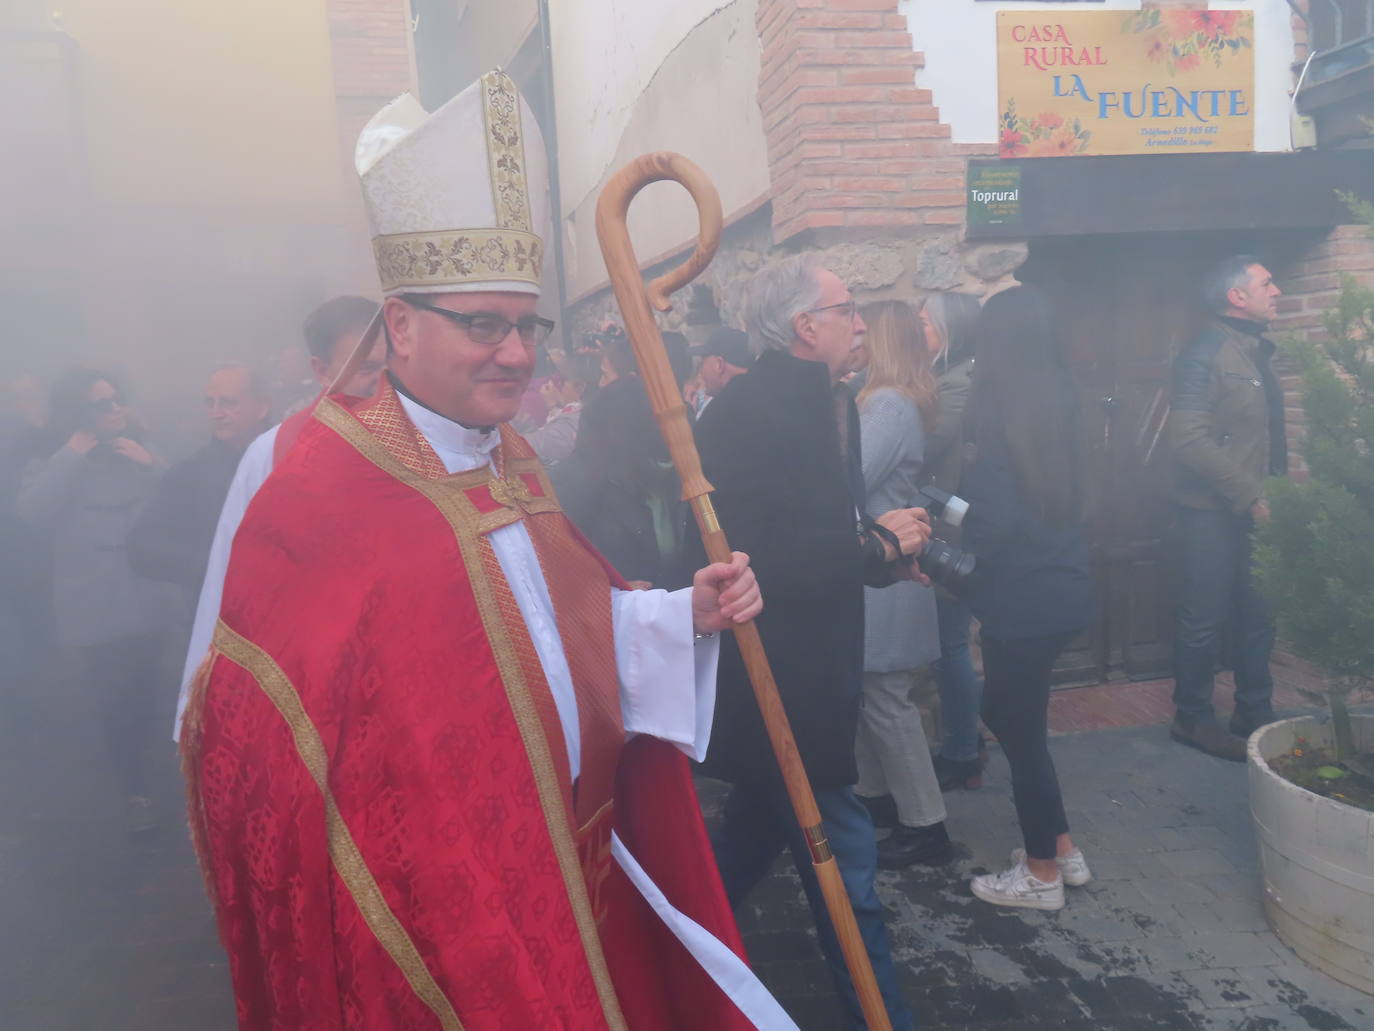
{"type": "Point", "coordinates": [487, 328]}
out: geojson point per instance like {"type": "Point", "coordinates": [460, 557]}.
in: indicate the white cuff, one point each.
{"type": "Point", "coordinates": [667, 674]}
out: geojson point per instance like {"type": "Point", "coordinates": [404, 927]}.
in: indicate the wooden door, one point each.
{"type": "Point", "coordinates": [1127, 303]}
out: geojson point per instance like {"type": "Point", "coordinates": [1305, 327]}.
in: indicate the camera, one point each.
{"type": "Point", "coordinates": [946, 564]}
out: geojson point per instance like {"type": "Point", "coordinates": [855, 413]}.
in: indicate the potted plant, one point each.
{"type": "Point", "coordinates": [1312, 778]}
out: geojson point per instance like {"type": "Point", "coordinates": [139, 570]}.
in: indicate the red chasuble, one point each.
{"type": "Point", "coordinates": [379, 784]}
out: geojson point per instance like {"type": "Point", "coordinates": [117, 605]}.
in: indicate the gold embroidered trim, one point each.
{"type": "Point", "coordinates": [532, 735]}
{"type": "Point", "coordinates": [192, 724]}
{"type": "Point", "coordinates": [518, 467]}
{"type": "Point", "coordinates": [455, 256]}
{"type": "Point", "coordinates": [448, 497]}
{"type": "Point", "coordinates": [343, 850]}
{"type": "Point", "coordinates": [505, 151]}
{"type": "Point", "coordinates": [495, 519]}
{"type": "Point", "coordinates": [510, 491]}
{"type": "Point", "coordinates": [593, 841]}
{"type": "Point", "coordinates": [511, 494]}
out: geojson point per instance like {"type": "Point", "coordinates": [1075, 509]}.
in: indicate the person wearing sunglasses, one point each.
{"type": "Point", "coordinates": [88, 493]}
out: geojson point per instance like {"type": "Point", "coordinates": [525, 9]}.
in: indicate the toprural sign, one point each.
{"type": "Point", "coordinates": [1125, 82]}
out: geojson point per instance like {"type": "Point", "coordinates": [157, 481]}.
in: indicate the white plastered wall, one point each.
{"type": "Point", "coordinates": [959, 40]}
{"type": "Point", "coordinates": [634, 77]}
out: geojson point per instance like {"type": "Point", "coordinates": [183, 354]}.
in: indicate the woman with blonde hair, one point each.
{"type": "Point", "coordinates": [896, 777]}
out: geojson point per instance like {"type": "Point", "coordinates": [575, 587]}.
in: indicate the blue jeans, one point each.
{"type": "Point", "coordinates": [1218, 594]}
{"type": "Point", "coordinates": [759, 823]}
{"type": "Point", "coordinates": [961, 693]}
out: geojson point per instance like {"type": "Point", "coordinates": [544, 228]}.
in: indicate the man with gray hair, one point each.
{"type": "Point", "coordinates": [781, 446]}
{"type": "Point", "coordinates": [1226, 433]}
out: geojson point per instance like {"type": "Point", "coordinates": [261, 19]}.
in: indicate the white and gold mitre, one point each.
{"type": "Point", "coordinates": [458, 200]}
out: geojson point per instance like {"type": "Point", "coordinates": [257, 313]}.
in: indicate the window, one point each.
{"type": "Point", "coordinates": [1333, 23]}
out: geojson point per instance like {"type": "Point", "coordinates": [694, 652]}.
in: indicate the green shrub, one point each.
{"type": "Point", "coordinates": [1315, 556]}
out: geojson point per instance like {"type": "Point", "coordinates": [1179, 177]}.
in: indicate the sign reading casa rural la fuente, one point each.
{"type": "Point", "coordinates": [1125, 82]}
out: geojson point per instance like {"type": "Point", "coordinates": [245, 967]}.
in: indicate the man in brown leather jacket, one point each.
{"type": "Point", "coordinates": [1226, 434]}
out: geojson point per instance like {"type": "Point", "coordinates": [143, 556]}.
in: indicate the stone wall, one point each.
{"type": "Point", "coordinates": [906, 267]}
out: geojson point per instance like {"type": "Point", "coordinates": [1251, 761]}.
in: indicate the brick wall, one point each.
{"type": "Point", "coordinates": [1311, 286]}
{"type": "Point", "coordinates": [373, 61]}
{"type": "Point", "coordinates": [1312, 283]}
{"type": "Point", "coordinates": [1301, 38]}
{"type": "Point", "coordinates": [851, 141]}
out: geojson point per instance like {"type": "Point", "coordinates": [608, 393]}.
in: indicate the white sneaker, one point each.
{"type": "Point", "coordinates": [1073, 867]}
{"type": "Point", "coordinates": [1019, 887]}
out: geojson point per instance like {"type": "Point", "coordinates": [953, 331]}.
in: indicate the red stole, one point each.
{"type": "Point", "coordinates": [379, 784]}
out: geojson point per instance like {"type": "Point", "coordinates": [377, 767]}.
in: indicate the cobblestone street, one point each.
{"type": "Point", "coordinates": [1170, 934]}
{"type": "Point", "coordinates": [109, 935]}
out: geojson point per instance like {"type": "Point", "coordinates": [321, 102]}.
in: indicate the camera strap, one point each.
{"type": "Point", "coordinates": [887, 535]}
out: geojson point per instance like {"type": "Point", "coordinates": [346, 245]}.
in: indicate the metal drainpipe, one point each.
{"type": "Point", "coordinates": [555, 190]}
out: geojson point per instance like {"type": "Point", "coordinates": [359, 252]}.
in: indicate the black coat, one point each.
{"type": "Point", "coordinates": [1032, 579]}
{"type": "Point", "coordinates": [608, 486]}
{"type": "Point", "coordinates": [770, 445]}
{"type": "Point", "coordinates": [619, 522]}
{"type": "Point", "coordinates": [171, 540]}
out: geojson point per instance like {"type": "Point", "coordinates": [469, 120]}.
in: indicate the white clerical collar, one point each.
{"type": "Point", "coordinates": [446, 435]}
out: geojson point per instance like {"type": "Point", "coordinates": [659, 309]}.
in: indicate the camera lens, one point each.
{"type": "Point", "coordinates": [946, 564]}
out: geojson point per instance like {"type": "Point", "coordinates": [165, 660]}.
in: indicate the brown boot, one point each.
{"type": "Point", "coordinates": [1209, 737]}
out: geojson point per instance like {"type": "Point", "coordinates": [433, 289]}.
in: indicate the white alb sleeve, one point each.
{"type": "Point", "coordinates": [667, 674]}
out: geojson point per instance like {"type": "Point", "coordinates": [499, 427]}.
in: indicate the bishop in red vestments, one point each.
{"type": "Point", "coordinates": [426, 776]}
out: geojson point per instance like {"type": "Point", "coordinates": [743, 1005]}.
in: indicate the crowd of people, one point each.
{"type": "Point", "coordinates": [857, 647]}
{"type": "Point", "coordinates": [830, 431]}
{"type": "Point", "coordinates": [119, 543]}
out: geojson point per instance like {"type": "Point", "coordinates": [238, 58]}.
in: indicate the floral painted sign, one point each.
{"type": "Point", "coordinates": [1125, 82]}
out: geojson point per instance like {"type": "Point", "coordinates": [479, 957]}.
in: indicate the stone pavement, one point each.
{"type": "Point", "coordinates": [1170, 935]}
{"type": "Point", "coordinates": [1123, 703]}
{"type": "Point", "coordinates": [101, 934]}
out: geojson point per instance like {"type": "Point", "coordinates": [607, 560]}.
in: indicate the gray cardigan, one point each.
{"type": "Point", "coordinates": [89, 503]}
{"type": "Point", "coordinates": [900, 629]}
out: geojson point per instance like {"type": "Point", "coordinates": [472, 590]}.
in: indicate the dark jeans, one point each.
{"type": "Point", "coordinates": [1016, 704]}
{"type": "Point", "coordinates": [759, 823]}
{"type": "Point", "coordinates": [960, 690]}
{"type": "Point", "coordinates": [1218, 594]}
{"type": "Point", "coordinates": [122, 676]}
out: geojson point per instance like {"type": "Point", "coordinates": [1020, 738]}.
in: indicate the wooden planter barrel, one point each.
{"type": "Point", "coordinates": [1318, 857]}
